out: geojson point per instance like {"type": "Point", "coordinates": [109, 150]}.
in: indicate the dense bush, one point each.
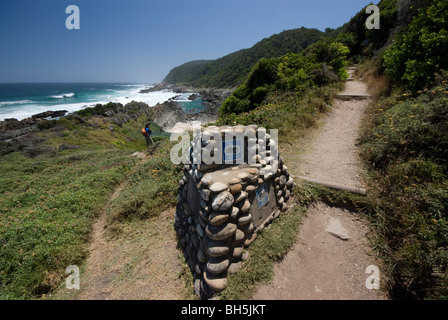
{"type": "Point", "coordinates": [321, 64]}
{"type": "Point", "coordinates": [334, 54]}
{"type": "Point", "coordinates": [99, 109]}
{"type": "Point", "coordinates": [421, 50]}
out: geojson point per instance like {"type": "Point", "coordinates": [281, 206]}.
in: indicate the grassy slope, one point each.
{"type": "Point", "coordinates": [48, 203]}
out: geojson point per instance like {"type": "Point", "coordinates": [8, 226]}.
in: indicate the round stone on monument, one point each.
{"type": "Point", "coordinates": [223, 201]}
{"type": "Point", "coordinates": [218, 187]}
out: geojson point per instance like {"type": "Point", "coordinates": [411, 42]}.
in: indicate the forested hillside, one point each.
{"type": "Point", "coordinates": [231, 70]}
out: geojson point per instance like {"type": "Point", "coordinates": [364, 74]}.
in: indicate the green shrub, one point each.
{"type": "Point", "coordinates": [334, 54]}
{"type": "Point", "coordinates": [264, 73]}
{"type": "Point", "coordinates": [420, 51]}
{"type": "Point", "coordinates": [46, 124]}
{"type": "Point", "coordinates": [99, 109]}
{"type": "Point", "coordinates": [321, 64]}
{"type": "Point", "coordinates": [258, 95]}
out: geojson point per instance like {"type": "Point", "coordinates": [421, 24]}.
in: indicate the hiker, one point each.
{"type": "Point", "coordinates": [147, 134]}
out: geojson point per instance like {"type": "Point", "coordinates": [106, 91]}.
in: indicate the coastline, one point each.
{"type": "Point", "coordinates": [169, 115]}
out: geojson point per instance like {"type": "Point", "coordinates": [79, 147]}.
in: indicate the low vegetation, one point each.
{"type": "Point", "coordinates": [49, 201]}
{"type": "Point", "coordinates": [148, 191]}
{"type": "Point", "coordinates": [47, 207]}
{"type": "Point", "coordinates": [405, 147]}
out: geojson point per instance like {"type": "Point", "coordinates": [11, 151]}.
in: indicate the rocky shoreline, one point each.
{"type": "Point", "coordinates": [167, 114]}
{"type": "Point", "coordinates": [13, 128]}
{"type": "Point", "coordinates": [170, 116]}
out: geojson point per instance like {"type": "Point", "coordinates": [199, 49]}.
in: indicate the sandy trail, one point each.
{"type": "Point", "coordinates": [333, 155]}
{"type": "Point", "coordinates": [322, 266]}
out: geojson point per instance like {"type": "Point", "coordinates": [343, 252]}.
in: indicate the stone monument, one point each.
{"type": "Point", "coordinates": [223, 204]}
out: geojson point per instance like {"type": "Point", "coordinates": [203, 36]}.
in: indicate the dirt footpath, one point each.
{"type": "Point", "coordinates": [142, 263]}
{"type": "Point", "coordinates": [321, 266]}
{"type": "Point", "coordinates": [333, 155]}
{"type": "Point", "coordinates": [331, 256]}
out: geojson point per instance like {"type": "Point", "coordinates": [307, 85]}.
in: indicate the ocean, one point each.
{"type": "Point", "coordinates": [22, 100]}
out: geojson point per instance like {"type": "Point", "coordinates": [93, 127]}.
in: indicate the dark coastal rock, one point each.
{"type": "Point", "coordinates": [193, 97]}
{"type": "Point", "coordinates": [158, 87]}
{"type": "Point", "coordinates": [169, 113]}
{"type": "Point", "coordinates": [50, 114]}
{"type": "Point", "coordinates": [15, 133]}
{"type": "Point", "coordinates": [14, 124]}
{"type": "Point", "coordinates": [13, 128]}
{"type": "Point", "coordinates": [30, 146]}
{"type": "Point", "coordinates": [131, 111]}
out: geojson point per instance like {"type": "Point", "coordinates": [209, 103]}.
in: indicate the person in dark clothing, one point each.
{"type": "Point", "coordinates": [147, 134]}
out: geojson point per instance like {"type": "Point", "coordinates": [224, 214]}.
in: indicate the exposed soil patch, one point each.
{"type": "Point", "coordinates": [141, 263]}
{"type": "Point", "coordinates": [333, 154]}
{"type": "Point", "coordinates": [321, 266]}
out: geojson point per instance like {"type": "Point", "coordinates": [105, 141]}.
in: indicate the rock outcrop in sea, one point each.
{"type": "Point", "coordinates": [170, 113]}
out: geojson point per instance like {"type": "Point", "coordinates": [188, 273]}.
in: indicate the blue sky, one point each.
{"type": "Point", "coordinates": [142, 40]}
